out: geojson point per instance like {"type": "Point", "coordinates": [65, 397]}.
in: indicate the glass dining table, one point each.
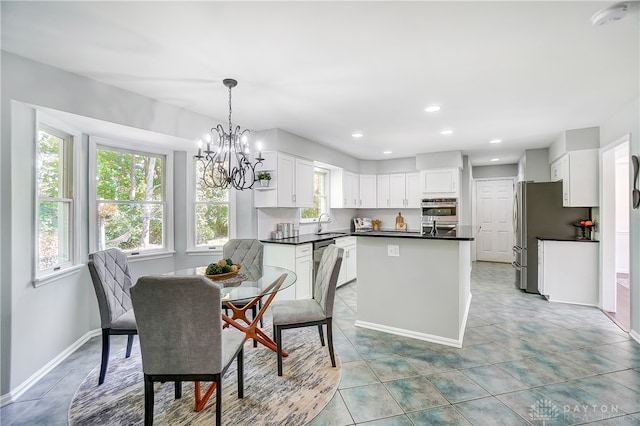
{"type": "Point", "coordinates": [252, 284]}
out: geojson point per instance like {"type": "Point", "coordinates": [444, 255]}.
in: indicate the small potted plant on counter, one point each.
{"type": "Point", "coordinates": [264, 178]}
{"type": "Point", "coordinates": [376, 224]}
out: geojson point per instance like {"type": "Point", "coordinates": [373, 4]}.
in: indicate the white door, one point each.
{"type": "Point", "coordinates": [494, 204]}
{"type": "Point", "coordinates": [368, 191]}
{"type": "Point", "coordinates": [397, 190]}
{"type": "Point", "coordinates": [412, 190]}
{"type": "Point", "coordinates": [383, 191]}
{"type": "Point", "coordinates": [286, 173]}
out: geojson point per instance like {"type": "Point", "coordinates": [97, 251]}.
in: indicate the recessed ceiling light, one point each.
{"type": "Point", "coordinates": [387, 152]}
{"type": "Point", "coordinates": [495, 141]}
{"type": "Point", "coordinates": [357, 135]}
{"type": "Point", "coordinates": [495, 159]}
{"type": "Point", "coordinates": [432, 108]}
{"type": "Point", "coordinates": [446, 132]}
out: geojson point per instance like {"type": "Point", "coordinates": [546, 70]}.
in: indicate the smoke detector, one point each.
{"type": "Point", "coordinates": [609, 14]}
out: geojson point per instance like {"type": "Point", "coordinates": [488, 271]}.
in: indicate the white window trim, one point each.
{"type": "Point", "coordinates": [39, 278]}
{"type": "Point", "coordinates": [327, 182]}
{"type": "Point", "coordinates": [192, 249]}
{"type": "Point", "coordinates": [142, 147]}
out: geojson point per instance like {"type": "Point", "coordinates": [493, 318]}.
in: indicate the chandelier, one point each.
{"type": "Point", "coordinates": [226, 162]}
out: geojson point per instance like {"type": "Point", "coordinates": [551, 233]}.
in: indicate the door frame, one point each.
{"type": "Point", "coordinates": [607, 225]}
{"type": "Point", "coordinates": [474, 213]}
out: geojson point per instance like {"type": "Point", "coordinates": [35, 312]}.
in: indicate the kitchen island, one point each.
{"type": "Point", "coordinates": [415, 286]}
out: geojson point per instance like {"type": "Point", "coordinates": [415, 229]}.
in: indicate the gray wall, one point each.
{"type": "Point", "coordinates": [627, 121]}
{"type": "Point", "coordinates": [498, 171]}
{"type": "Point", "coordinates": [38, 324]}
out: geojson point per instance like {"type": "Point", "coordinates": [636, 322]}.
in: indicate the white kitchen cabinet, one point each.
{"type": "Point", "coordinates": [383, 190]}
{"type": "Point", "coordinates": [348, 268]}
{"type": "Point", "coordinates": [298, 258]}
{"type": "Point", "coordinates": [367, 191]}
{"type": "Point", "coordinates": [413, 194]}
{"type": "Point", "coordinates": [397, 187]}
{"type": "Point", "coordinates": [291, 182]}
{"type": "Point", "coordinates": [399, 190]}
{"type": "Point", "coordinates": [568, 271]}
{"type": "Point", "coordinates": [345, 189]}
{"type": "Point", "coordinates": [578, 171]}
{"type": "Point", "coordinates": [440, 183]}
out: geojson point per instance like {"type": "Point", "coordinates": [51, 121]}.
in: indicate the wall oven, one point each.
{"type": "Point", "coordinates": [441, 212]}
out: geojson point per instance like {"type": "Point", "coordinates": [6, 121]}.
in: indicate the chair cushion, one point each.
{"type": "Point", "coordinates": [296, 311]}
{"type": "Point", "coordinates": [232, 339]}
{"type": "Point", "coordinates": [127, 321]}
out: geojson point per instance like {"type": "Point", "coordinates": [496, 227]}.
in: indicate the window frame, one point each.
{"type": "Point", "coordinates": [327, 180]}
{"type": "Point", "coordinates": [141, 148]}
{"type": "Point", "coordinates": [71, 137]}
{"type": "Point", "coordinates": [192, 248]}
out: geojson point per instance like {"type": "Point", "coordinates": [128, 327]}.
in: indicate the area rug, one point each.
{"type": "Point", "coordinates": [307, 385]}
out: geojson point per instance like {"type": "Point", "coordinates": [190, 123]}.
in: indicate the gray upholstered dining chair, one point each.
{"type": "Point", "coordinates": [111, 278]}
{"type": "Point", "coordinates": [308, 312]}
{"type": "Point", "coordinates": [181, 337]}
{"type": "Point", "coordinates": [249, 253]}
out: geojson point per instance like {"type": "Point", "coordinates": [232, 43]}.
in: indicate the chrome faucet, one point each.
{"type": "Point", "coordinates": [434, 229]}
{"type": "Point", "coordinates": [319, 230]}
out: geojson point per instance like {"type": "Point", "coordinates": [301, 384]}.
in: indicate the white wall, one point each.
{"type": "Point", "coordinates": [497, 171]}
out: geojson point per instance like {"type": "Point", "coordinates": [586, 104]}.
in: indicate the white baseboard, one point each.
{"type": "Point", "coordinates": [457, 343]}
{"type": "Point", "coordinates": [27, 384]}
{"type": "Point", "coordinates": [635, 335]}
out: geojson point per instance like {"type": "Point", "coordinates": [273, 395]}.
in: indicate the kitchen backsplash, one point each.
{"type": "Point", "coordinates": [388, 218]}
{"type": "Point", "coordinates": [269, 217]}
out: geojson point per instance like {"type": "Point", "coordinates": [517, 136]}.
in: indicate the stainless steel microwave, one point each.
{"type": "Point", "coordinates": [441, 210]}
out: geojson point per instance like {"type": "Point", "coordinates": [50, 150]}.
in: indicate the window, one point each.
{"type": "Point", "coordinates": [320, 196]}
{"type": "Point", "coordinates": [55, 203]}
{"type": "Point", "coordinates": [132, 209]}
{"type": "Point", "coordinates": [211, 213]}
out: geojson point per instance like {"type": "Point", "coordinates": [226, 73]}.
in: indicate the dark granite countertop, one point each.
{"type": "Point", "coordinates": [575, 240]}
{"type": "Point", "coordinates": [462, 233]}
{"type": "Point", "coordinates": [307, 238]}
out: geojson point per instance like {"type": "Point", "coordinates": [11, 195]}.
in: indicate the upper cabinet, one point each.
{"type": "Point", "coordinates": [291, 182]}
{"type": "Point", "coordinates": [399, 190]}
{"type": "Point", "coordinates": [578, 171]}
{"type": "Point", "coordinates": [345, 189]}
{"type": "Point", "coordinates": [368, 192]}
{"type": "Point", "coordinates": [440, 183]}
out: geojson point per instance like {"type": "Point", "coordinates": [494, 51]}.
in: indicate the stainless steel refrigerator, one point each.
{"type": "Point", "coordinates": [538, 212]}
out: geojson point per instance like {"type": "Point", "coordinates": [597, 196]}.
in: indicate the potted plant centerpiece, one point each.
{"type": "Point", "coordinates": [264, 178]}
{"type": "Point", "coordinates": [376, 224]}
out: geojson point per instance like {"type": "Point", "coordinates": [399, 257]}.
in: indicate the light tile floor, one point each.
{"type": "Point", "coordinates": [524, 361]}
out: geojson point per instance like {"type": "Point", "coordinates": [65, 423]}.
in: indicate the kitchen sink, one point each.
{"type": "Point", "coordinates": [332, 234]}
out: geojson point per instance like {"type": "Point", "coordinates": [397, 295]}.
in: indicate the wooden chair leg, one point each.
{"type": "Point", "coordinates": [330, 342]}
{"type": "Point", "coordinates": [129, 345]}
{"type": "Point", "coordinates": [240, 362]}
{"type": "Point", "coordinates": [278, 336]}
{"type": "Point", "coordinates": [321, 334]}
{"type": "Point", "coordinates": [105, 355]}
{"type": "Point", "coordinates": [148, 401]}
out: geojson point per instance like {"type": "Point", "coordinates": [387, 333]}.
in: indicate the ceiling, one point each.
{"type": "Point", "coordinates": [517, 71]}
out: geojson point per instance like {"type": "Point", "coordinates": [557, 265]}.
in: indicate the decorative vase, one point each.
{"type": "Point", "coordinates": [264, 183]}
{"type": "Point", "coordinates": [376, 227]}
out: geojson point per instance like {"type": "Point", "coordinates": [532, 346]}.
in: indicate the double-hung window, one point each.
{"type": "Point", "coordinates": [55, 217]}
{"type": "Point", "coordinates": [211, 212]}
{"type": "Point", "coordinates": [132, 207]}
{"type": "Point", "coordinates": [320, 196]}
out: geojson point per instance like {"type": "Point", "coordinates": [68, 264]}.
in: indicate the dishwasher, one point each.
{"type": "Point", "coordinates": [318, 250]}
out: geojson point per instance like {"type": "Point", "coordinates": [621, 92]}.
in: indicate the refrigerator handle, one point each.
{"type": "Point", "coordinates": [515, 212]}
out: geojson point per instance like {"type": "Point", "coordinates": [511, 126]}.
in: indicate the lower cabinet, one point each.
{"type": "Point", "coordinates": [298, 258]}
{"type": "Point", "coordinates": [348, 267]}
{"type": "Point", "coordinates": [568, 271]}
